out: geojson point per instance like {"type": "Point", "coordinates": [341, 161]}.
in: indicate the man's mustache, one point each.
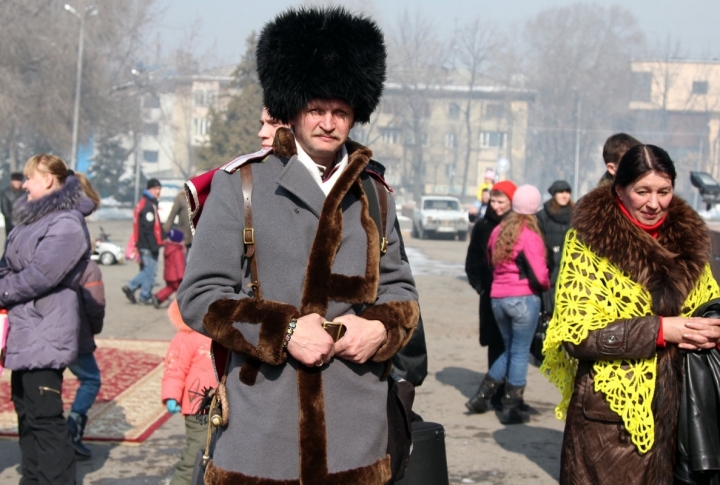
{"type": "Point", "coordinates": [322, 133]}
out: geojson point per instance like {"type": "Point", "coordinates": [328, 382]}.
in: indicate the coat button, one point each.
{"type": "Point", "coordinates": [611, 339]}
{"type": "Point", "coordinates": [6, 294]}
{"type": "Point", "coordinates": [297, 211]}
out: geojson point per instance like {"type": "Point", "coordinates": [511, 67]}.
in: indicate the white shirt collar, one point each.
{"type": "Point", "coordinates": [341, 159]}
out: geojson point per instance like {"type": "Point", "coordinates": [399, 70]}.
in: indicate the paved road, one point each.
{"type": "Point", "coordinates": [479, 449]}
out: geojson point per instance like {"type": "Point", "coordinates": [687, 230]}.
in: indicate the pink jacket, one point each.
{"type": "Point", "coordinates": [513, 277]}
{"type": "Point", "coordinates": [188, 367]}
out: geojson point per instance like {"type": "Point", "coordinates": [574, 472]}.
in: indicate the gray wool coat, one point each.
{"type": "Point", "coordinates": [40, 273]}
{"type": "Point", "coordinates": [264, 437]}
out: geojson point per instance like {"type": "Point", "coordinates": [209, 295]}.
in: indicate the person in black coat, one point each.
{"type": "Point", "coordinates": [554, 221]}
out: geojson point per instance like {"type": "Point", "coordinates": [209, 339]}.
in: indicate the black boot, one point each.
{"type": "Point", "coordinates": [511, 401]}
{"type": "Point", "coordinates": [77, 429]}
{"type": "Point", "coordinates": [480, 402]}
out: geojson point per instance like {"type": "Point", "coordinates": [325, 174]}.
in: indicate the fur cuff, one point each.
{"type": "Point", "coordinates": [376, 474]}
{"type": "Point", "coordinates": [400, 319]}
{"type": "Point", "coordinates": [272, 316]}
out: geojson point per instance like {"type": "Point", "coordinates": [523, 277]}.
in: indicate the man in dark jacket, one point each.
{"type": "Point", "coordinates": [554, 222]}
{"type": "Point", "coordinates": [8, 198]}
{"type": "Point", "coordinates": [147, 234]}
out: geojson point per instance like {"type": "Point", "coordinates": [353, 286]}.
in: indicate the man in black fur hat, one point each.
{"type": "Point", "coordinates": [305, 403]}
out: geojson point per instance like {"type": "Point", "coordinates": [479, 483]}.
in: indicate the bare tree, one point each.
{"type": "Point", "coordinates": [416, 66]}
{"type": "Point", "coordinates": [474, 47]}
{"type": "Point", "coordinates": [39, 42]}
{"type": "Point", "coordinates": [579, 63]}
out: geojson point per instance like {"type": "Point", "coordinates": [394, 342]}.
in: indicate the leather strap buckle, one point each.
{"type": "Point", "coordinates": [335, 329]}
{"type": "Point", "coordinates": [249, 235]}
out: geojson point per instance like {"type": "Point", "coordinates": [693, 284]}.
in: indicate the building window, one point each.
{"type": "Point", "coordinates": [151, 129]}
{"type": "Point", "coordinates": [150, 156]}
{"type": "Point", "coordinates": [451, 140]}
{"type": "Point", "coordinates": [493, 139]}
{"type": "Point", "coordinates": [151, 101]}
{"type": "Point", "coordinates": [495, 111]}
{"type": "Point", "coordinates": [201, 126]}
{"type": "Point", "coordinates": [410, 139]}
{"type": "Point", "coordinates": [453, 111]}
{"type": "Point", "coordinates": [700, 87]}
{"type": "Point", "coordinates": [389, 136]}
{"type": "Point", "coordinates": [204, 97]}
{"type": "Point", "coordinates": [642, 86]}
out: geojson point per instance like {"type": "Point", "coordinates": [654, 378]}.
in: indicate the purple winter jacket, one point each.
{"type": "Point", "coordinates": [40, 275]}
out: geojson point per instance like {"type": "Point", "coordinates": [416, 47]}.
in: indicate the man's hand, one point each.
{"type": "Point", "coordinates": [692, 333]}
{"type": "Point", "coordinates": [310, 344]}
{"type": "Point", "coordinates": [362, 339]}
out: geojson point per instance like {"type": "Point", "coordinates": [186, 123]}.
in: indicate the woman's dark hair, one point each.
{"type": "Point", "coordinates": [641, 159]}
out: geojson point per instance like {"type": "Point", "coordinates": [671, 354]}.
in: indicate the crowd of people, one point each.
{"type": "Point", "coordinates": [304, 312]}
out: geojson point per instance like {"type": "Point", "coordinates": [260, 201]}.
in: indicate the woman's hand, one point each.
{"type": "Point", "coordinates": [692, 333]}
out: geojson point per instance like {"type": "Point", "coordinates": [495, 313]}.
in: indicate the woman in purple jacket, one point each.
{"type": "Point", "coordinates": [39, 280]}
{"type": "Point", "coordinates": [520, 274]}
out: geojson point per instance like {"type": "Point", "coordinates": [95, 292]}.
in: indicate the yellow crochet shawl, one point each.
{"type": "Point", "coordinates": [591, 293]}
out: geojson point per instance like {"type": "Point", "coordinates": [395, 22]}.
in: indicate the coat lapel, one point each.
{"type": "Point", "coordinates": [295, 179]}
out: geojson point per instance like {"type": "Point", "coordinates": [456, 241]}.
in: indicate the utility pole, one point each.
{"type": "Point", "coordinates": [578, 111]}
{"type": "Point", "coordinates": [89, 11]}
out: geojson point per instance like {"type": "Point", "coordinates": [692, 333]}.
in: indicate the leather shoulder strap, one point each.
{"type": "Point", "coordinates": [248, 230]}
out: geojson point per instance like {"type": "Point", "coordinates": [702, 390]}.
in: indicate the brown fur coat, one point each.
{"type": "Point", "coordinates": [596, 448]}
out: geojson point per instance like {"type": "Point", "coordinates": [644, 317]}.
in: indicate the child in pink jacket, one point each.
{"type": "Point", "coordinates": [188, 370]}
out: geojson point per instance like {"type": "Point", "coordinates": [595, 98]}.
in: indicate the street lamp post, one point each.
{"type": "Point", "coordinates": [89, 11]}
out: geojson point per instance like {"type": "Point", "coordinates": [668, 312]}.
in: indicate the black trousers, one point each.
{"type": "Point", "coordinates": [48, 456]}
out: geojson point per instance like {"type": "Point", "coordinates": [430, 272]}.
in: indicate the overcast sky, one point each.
{"type": "Point", "coordinates": [224, 24]}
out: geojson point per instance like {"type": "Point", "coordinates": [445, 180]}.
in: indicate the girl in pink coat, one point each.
{"type": "Point", "coordinates": [188, 370]}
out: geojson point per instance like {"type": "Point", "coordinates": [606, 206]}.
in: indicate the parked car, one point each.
{"type": "Point", "coordinates": [105, 252]}
{"type": "Point", "coordinates": [440, 215]}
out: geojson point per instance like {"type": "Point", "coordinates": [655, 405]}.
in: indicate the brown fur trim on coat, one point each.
{"type": "Point", "coordinates": [400, 319]}
{"type": "Point", "coordinates": [320, 284]}
{"type": "Point", "coordinates": [376, 474]}
{"type": "Point", "coordinates": [273, 317]}
{"type": "Point", "coordinates": [284, 143]}
{"type": "Point", "coordinates": [668, 267]}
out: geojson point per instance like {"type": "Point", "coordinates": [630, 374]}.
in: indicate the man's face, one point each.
{"type": "Point", "coordinates": [155, 191]}
{"type": "Point", "coordinates": [268, 127]}
{"type": "Point", "coordinates": [323, 127]}
{"type": "Point", "coordinates": [16, 184]}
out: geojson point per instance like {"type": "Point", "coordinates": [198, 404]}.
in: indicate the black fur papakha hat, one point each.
{"type": "Point", "coordinates": [310, 53]}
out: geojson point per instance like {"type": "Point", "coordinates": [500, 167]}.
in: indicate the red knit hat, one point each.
{"type": "Point", "coordinates": [506, 187]}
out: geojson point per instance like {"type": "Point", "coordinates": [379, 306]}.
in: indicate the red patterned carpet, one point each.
{"type": "Point", "coordinates": [128, 407]}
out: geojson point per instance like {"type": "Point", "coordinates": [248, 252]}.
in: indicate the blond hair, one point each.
{"type": "Point", "coordinates": [510, 229]}
{"type": "Point", "coordinates": [88, 189]}
{"type": "Point", "coordinates": [45, 163]}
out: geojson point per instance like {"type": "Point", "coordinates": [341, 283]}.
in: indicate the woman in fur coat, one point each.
{"type": "Point", "coordinates": [40, 275]}
{"type": "Point", "coordinates": [634, 268]}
